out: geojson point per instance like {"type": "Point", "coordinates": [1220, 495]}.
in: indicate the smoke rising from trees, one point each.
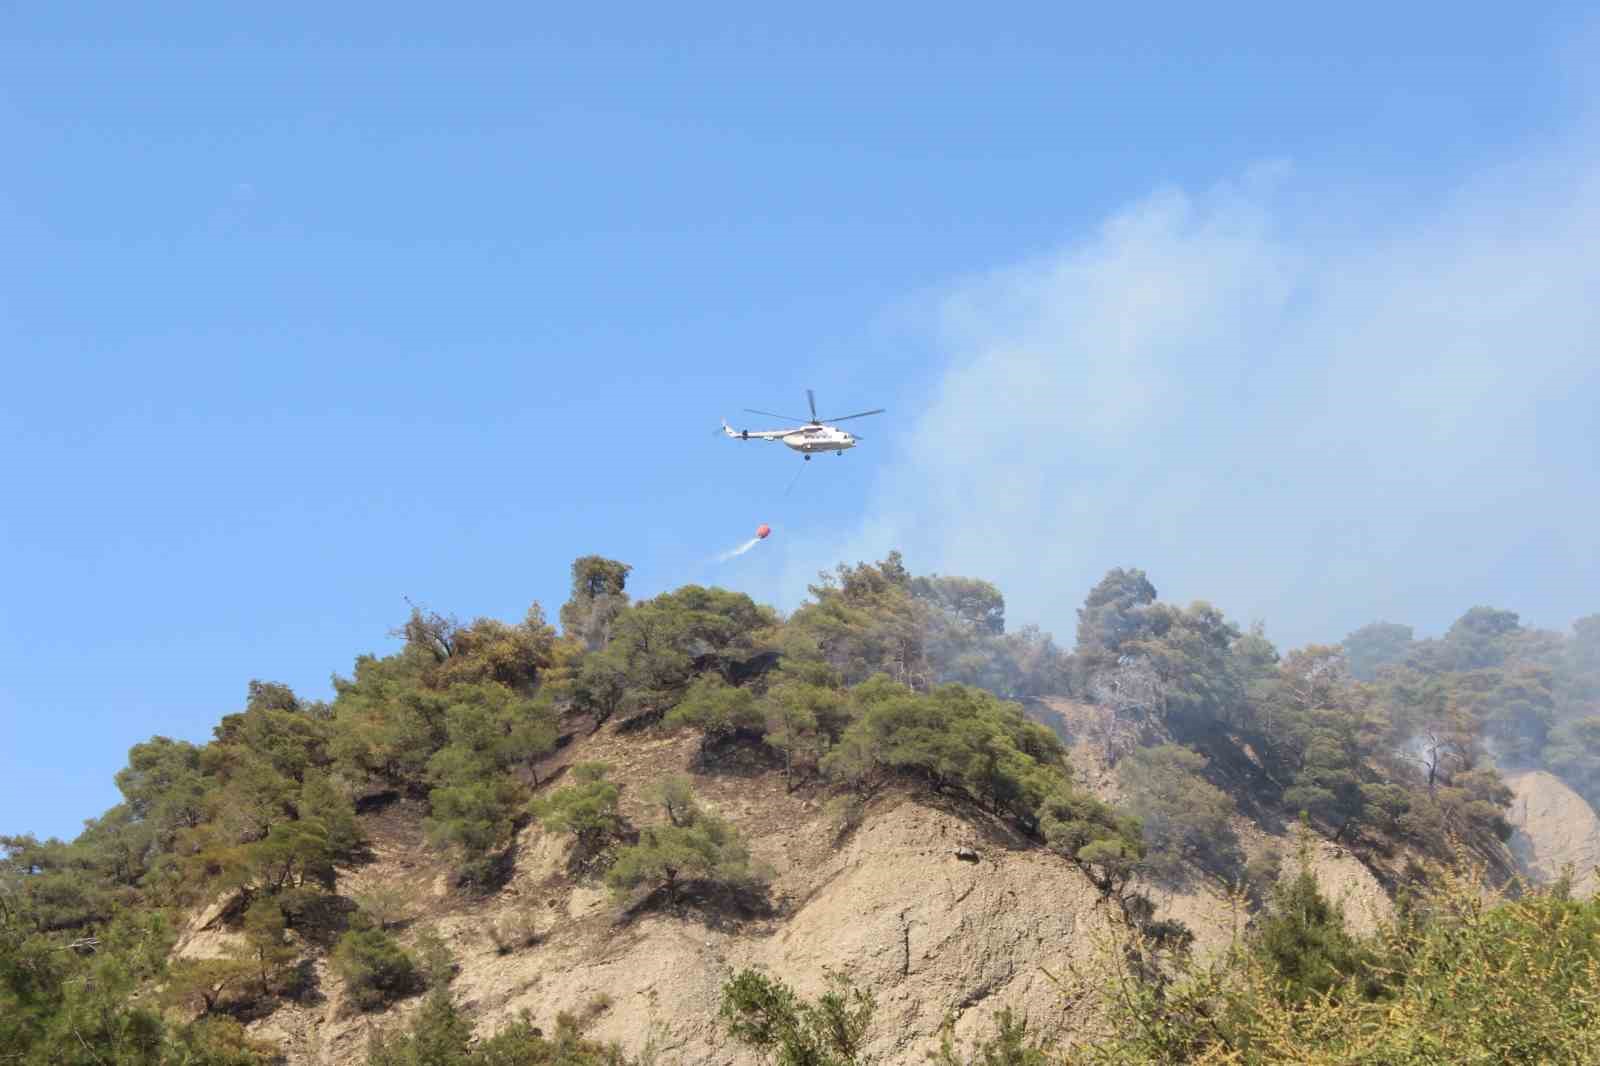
{"type": "Point", "coordinates": [1270, 393]}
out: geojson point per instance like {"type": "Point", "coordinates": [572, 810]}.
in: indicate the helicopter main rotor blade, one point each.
{"type": "Point", "coordinates": [863, 414]}
{"type": "Point", "coordinates": [769, 414]}
{"type": "Point", "coordinates": [811, 398]}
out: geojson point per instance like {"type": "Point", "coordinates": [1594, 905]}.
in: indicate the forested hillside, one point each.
{"type": "Point", "coordinates": [883, 682]}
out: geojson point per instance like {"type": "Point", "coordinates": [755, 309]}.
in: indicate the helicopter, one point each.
{"type": "Point", "coordinates": [809, 437]}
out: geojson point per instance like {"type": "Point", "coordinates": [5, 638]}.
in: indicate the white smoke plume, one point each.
{"type": "Point", "coordinates": [740, 550]}
{"type": "Point", "coordinates": [1278, 395]}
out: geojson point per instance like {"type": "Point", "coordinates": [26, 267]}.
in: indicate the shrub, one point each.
{"type": "Point", "coordinates": [768, 1016]}
{"type": "Point", "coordinates": [386, 904]}
{"type": "Point", "coordinates": [1007, 1045]}
{"type": "Point", "coordinates": [518, 929]}
{"type": "Point", "coordinates": [1468, 979]}
{"type": "Point", "coordinates": [1184, 818]}
{"type": "Point", "coordinates": [375, 968]}
{"type": "Point", "coordinates": [695, 846]}
{"type": "Point", "coordinates": [587, 808]}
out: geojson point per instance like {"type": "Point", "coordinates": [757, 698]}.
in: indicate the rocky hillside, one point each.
{"type": "Point", "coordinates": [607, 822]}
{"type": "Point", "coordinates": [944, 913]}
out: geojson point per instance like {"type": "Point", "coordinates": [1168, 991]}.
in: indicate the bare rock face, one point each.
{"type": "Point", "coordinates": [1554, 829]}
{"type": "Point", "coordinates": [934, 936]}
{"type": "Point", "coordinates": [1346, 881]}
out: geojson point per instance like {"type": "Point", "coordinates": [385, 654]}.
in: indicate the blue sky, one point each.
{"type": "Point", "coordinates": [302, 313]}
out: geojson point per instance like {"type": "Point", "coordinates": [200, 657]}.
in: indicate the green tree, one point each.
{"type": "Point", "coordinates": [600, 687]}
{"type": "Point", "coordinates": [803, 720]}
{"type": "Point", "coordinates": [266, 949]}
{"type": "Point", "coordinates": [1106, 845]}
{"type": "Point", "coordinates": [325, 803]}
{"type": "Point", "coordinates": [1375, 646]}
{"type": "Point", "coordinates": [675, 794]}
{"type": "Point", "coordinates": [439, 1036]}
{"type": "Point", "coordinates": [587, 808]}
{"type": "Point", "coordinates": [1191, 653]}
{"type": "Point", "coordinates": [597, 598]}
{"type": "Point", "coordinates": [387, 725]}
{"type": "Point", "coordinates": [374, 967]}
{"type": "Point", "coordinates": [767, 1015]}
{"type": "Point", "coordinates": [973, 602]}
{"type": "Point", "coordinates": [719, 711]}
{"type": "Point", "coordinates": [1185, 819]}
{"type": "Point", "coordinates": [1304, 943]}
{"type": "Point", "coordinates": [163, 785]}
{"type": "Point", "coordinates": [1112, 615]}
{"type": "Point", "coordinates": [704, 848]}
{"type": "Point", "coordinates": [1573, 751]}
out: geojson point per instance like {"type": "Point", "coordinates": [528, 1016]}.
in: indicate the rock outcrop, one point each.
{"type": "Point", "coordinates": [1555, 829]}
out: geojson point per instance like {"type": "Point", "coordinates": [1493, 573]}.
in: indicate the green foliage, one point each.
{"type": "Point", "coordinates": [1185, 818]}
{"type": "Point", "coordinates": [440, 1036]}
{"type": "Point", "coordinates": [1113, 615]}
{"type": "Point", "coordinates": [163, 785]}
{"type": "Point", "coordinates": [491, 730]}
{"type": "Point", "coordinates": [719, 711]}
{"type": "Point", "coordinates": [387, 725]}
{"type": "Point", "coordinates": [292, 854]}
{"type": "Point", "coordinates": [657, 648]}
{"type": "Point", "coordinates": [883, 677]}
{"type": "Point", "coordinates": [56, 882]}
{"type": "Point", "coordinates": [323, 802]}
{"type": "Point", "coordinates": [386, 904]}
{"type": "Point", "coordinates": [1108, 846]}
{"type": "Point", "coordinates": [1472, 981]}
{"type": "Point", "coordinates": [956, 738]}
{"type": "Point", "coordinates": [803, 721]}
{"type": "Point", "coordinates": [675, 794]}
{"type": "Point", "coordinates": [374, 967]}
{"type": "Point", "coordinates": [1375, 646]}
{"type": "Point", "coordinates": [587, 808]}
{"type": "Point", "coordinates": [475, 819]}
{"type": "Point", "coordinates": [266, 949]}
{"type": "Point", "coordinates": [489, 651]}
{"type": "Point", "coordinates": [601, 685]}
{"type": "Point", "coordinates": [597, 598]}
{"type": "Point", "coordinates": [1574, 753]}
{"type": "Point", "coordinates": [694, 847]}
{"type": "Point", "coordinates": [1190, 651]}
{"type": "Point", "coordinates": [768, 1016]}
{"type": "Point", "coordinates": [436, 962]}
{"type": "Point", "coordinates": [1008, 1045]}
{"type": "Point", "coordinates": [74, 1006]}
{"type": "Point", "coordinates": [875, 618]}
{"type": "Point", "coordinates": [1303, 944]}
{"type": "Point", "coordinates": [976, 603]}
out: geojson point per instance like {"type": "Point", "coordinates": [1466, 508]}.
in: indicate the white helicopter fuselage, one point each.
{"type": "Point", "coordinates": [820, 439]}
{"type": "Point", "coordinates": [808, 440]}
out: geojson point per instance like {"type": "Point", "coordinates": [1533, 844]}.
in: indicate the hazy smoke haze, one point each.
{"type": "Point", "coordinates": [1279, 394]}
